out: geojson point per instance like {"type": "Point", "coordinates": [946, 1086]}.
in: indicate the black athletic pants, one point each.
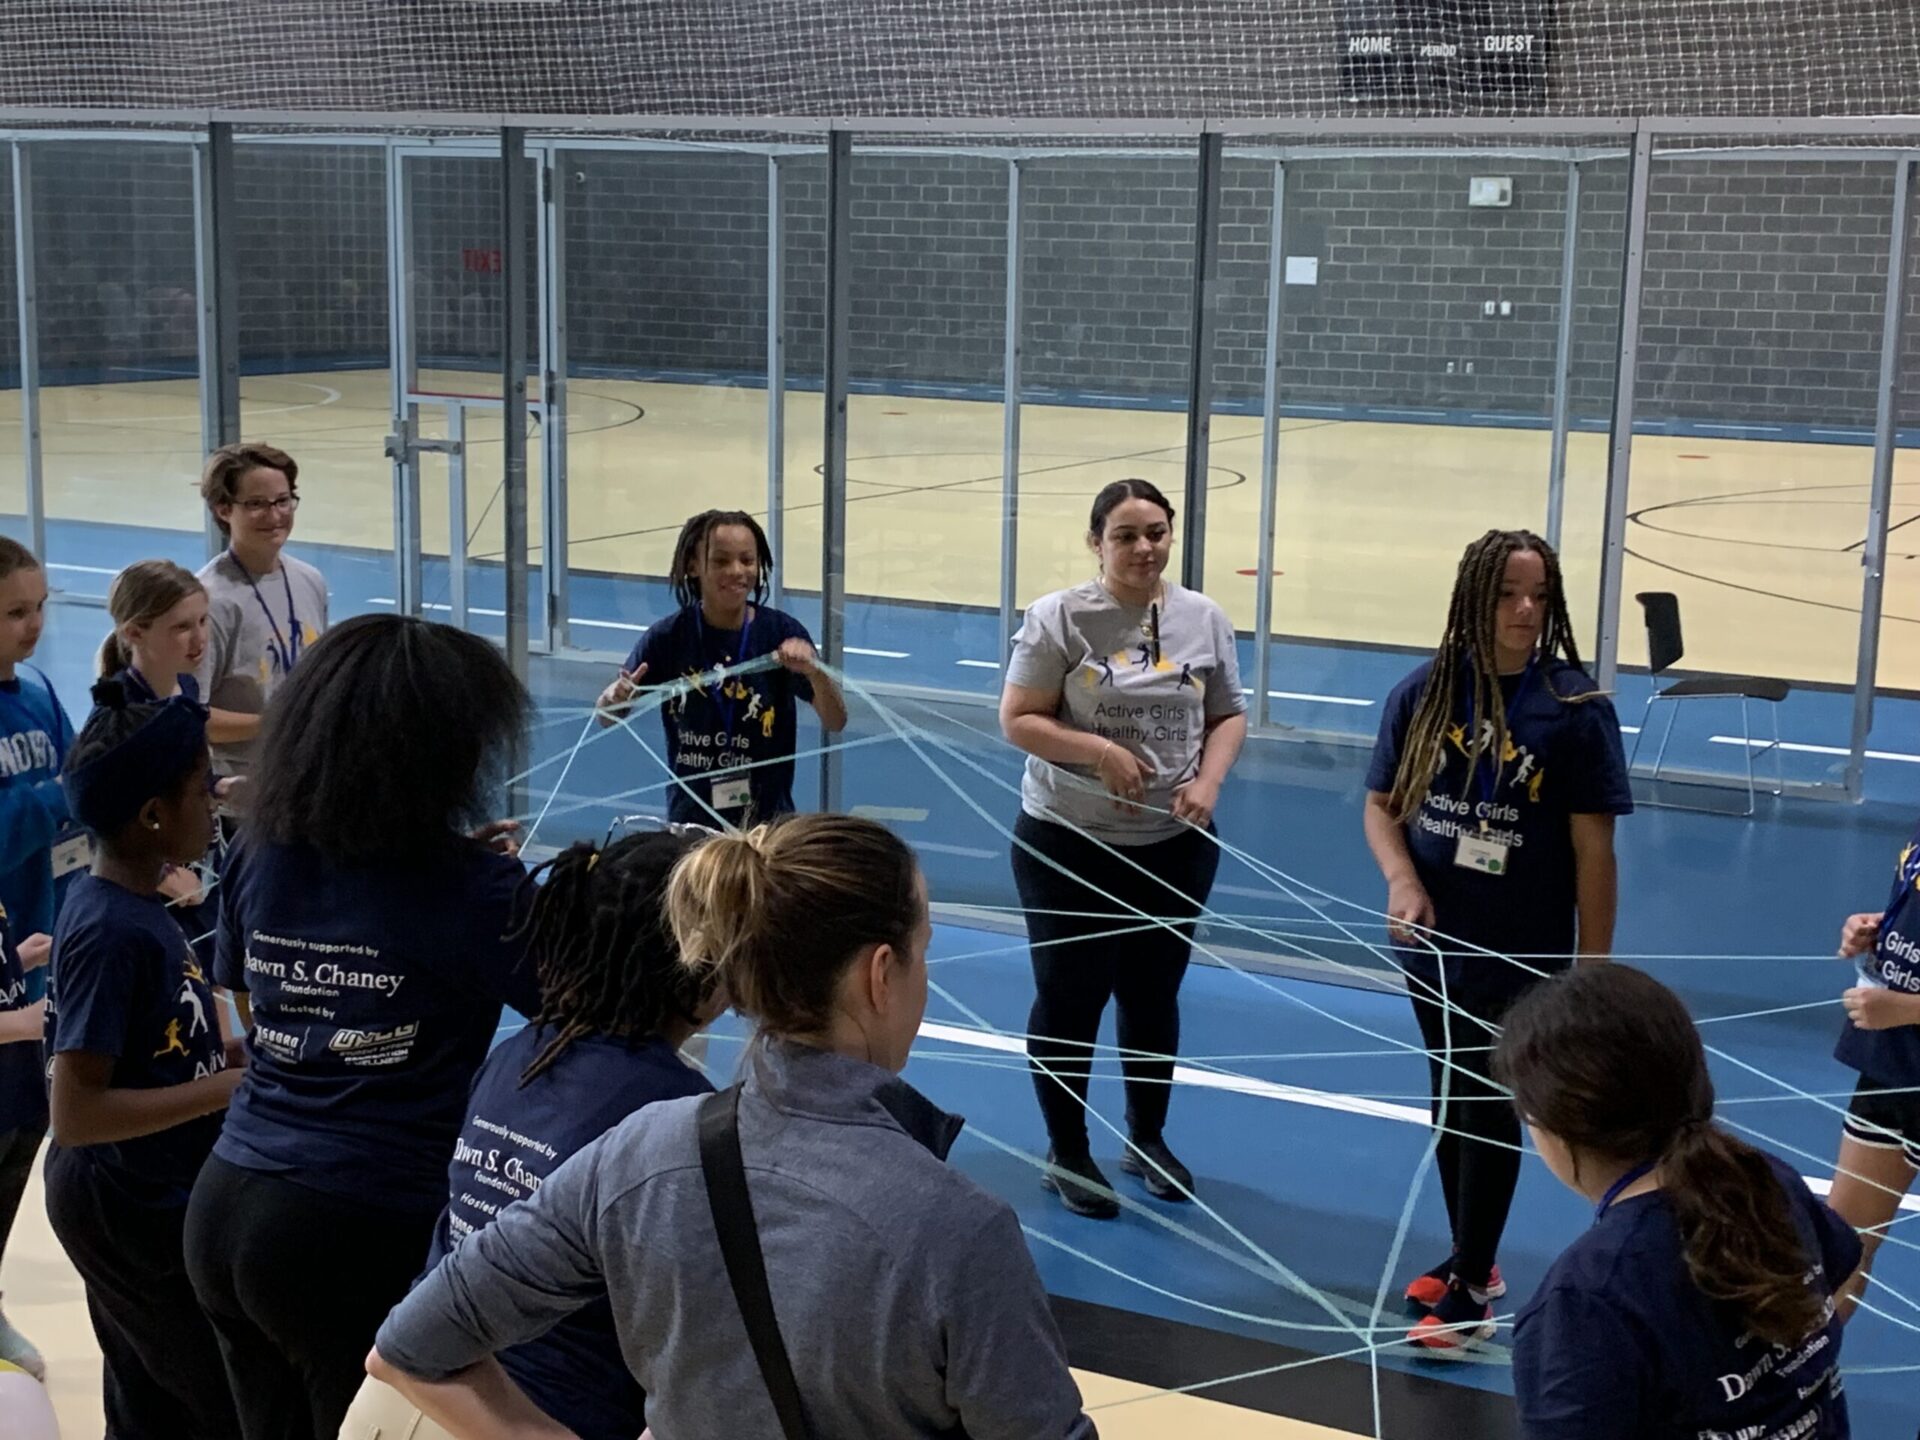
{"type": "Point", "coordinates": [161, 1376]}
{"type": "Point", "coordinates": [296, 1282]}
{"type": "Point", "coordinates": [17, 1149]}
{"type": "Point", "coordinates": [1078, 964]}
{"type": "Point", "coordinates": [1479, 1150]}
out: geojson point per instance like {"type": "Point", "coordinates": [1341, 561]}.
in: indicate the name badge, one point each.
{"type": "Point", "coordinates": [72, 852]}
{"type": "Point", "coordinates": [1476, 852]}
{"type": "Point", "coordinates": [732, 794]}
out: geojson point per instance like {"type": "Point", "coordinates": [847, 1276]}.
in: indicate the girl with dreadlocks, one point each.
{"type": "Point", "coordinates": [616, 1005]}
{"type": "Point", "coordinates": [1490, 811]}
{"type": "Point", "coordinates": [730, 737]}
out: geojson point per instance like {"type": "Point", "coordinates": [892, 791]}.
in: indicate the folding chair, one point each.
{"type": "Point", "coordinates": [1664, 649]}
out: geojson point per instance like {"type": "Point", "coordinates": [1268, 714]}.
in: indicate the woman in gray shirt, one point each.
{"type": "Point", "coordinates": [1125, 694]}
{"type": "Point", "coordinates": [904, 1294]}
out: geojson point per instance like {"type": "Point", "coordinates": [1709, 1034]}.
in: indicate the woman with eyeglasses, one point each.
{"type": "Point", "coordinates": [264, 608]}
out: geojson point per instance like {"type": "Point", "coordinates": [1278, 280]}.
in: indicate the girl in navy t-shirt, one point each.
{"type": "Point", "coordinates": [1700, 1302]}
{"type": "Point", "coordinates": [616, 1005]}
{"type": "Point", "coordinates": [1880, 1137]}
{"type": "Point", "coordinates": [140, 1067]}
{"type": "Point", "coordinates": [730, 737]}
{"type": "Point", "coordinates": [1490, 811]}
{"type": "Point", "coordinates": [364, 927]}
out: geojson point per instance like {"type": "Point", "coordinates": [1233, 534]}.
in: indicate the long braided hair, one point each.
{"type": "Point", "coordinates": [598, 936]}
{"type": "Point", "coordinates": [691, 549]}
{"type": "Point", "coordinates": [1466, 655]}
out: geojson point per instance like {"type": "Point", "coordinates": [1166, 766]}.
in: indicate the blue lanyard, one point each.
{"type": "Point", "coordinates": [1639, 1172]}
{"type": "Point", "coordinates": [138, 685]}
{"type": "Point", "coordinates": [286, 648]}
{"type": "Point", "coordinates": [722, 703]}
{"type": "Point", "coordinates": [1489, 775]}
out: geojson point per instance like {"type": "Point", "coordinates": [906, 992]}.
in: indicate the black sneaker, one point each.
{"type": "Point", "coordinates": [1080, 1186]}
{"type": "Point", "coordinates": [1165, 1177]}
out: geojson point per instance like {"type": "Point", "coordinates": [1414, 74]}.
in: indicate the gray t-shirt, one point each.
{"type": "Point", "coordinates": [1114, 682]}
{"type": "Point", "coordinates": [251, 639]}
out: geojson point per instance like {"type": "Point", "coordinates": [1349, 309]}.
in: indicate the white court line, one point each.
{"type": "Point", "coordinates": [436, 605]}
{"type": "Point", "coordinates": [904, 814]}
{"type": "Point", "coordinates": [1815, 749]}
{"type": "Point", "coordinates": [1268, 1090]}
{"type": "Point", "coordinates": [965, 852]}
{"type": "Point", "coordinates": [980, 664]}
{"type": "Point", "coordinates": [86, 569]}
{"type": "Point", "coordinates": [876, 654]}
{"type": "Point", "coordinates": [608, 625]}
{"type": "Point", "coordinates": [1311, 699]}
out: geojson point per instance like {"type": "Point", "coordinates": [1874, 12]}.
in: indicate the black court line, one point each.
{"type": "Point", "coordinates": [1169, 1355]}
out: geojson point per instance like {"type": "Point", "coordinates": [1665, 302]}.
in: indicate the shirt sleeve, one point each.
{"type": "Point", "coordinates": [230, 940]}
{"type": "Point", "coordinates": [1007, 1370]}
{"type": "Point", "coordinates": [1597, 774]}
{"type": "Point", "coordinates": [223, 631]}
{"type": "Point", "coordinates": [1223, 685]}
{"type": "Point", "coordinates": [495, 903]}
{"type": "Point", "coordinates": [1578, 1372]}
{"type": "Point", "coordinates": [1385, 764]}
{"type": "Point", "coordinates": [1839, 1242]}
{"type": "Point", "coordinates": [31, 814]}
{"type": "Point", "coordinates": [1040, 660]}
{"type": "Point", "coordinates": [508, 1283]}
{"type": "Point", "coordinates": [95, 975]}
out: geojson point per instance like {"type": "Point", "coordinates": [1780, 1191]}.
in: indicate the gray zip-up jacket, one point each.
{"type": "Point", "coordinates": [905, 1293]}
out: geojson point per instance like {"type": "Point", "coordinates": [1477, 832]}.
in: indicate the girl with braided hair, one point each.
{"type": "Point", "coordinates": [731, 738]}
{"type": "Point", "coordinates": [1490, 811]}
{"type": "Point", "coordinates": [616, 1004]}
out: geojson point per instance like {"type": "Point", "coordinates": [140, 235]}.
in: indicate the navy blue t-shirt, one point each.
{"type": "Point", "coordinates": [513, 1138]}
{"type": "Point", "coordinates": [743, 720]}
{"type": "Point", "coordinates": [125, 983]}
{"type": "Point", "coordinates": [1892, 1056]}
{"type": "Point", "coordinates": [375, 995]}
{"type": "Point", "coordinates": [1619, 1343]}
{"type": "Point", "coordinates": [1564, 759]}
{"type": "Point", "coordinates": [23, 1075]}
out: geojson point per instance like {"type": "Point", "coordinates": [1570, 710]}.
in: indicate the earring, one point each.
{"type": "Point", "coordinates": [153, 824]}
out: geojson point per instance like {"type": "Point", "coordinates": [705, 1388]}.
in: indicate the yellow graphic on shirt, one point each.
{"type": "Point", "coordinates": [766, 725]}
{"type": "Point", "coordinates": [175, 1045]}
{"type": "Point", "coordinates": [1529, 773]}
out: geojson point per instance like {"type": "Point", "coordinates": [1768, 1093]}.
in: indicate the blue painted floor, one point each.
{"type": "Point", "coordinates": [1740, 914]}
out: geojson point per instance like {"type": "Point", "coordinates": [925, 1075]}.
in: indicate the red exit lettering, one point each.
{"type": "Point", "coordinates": [480, 262]}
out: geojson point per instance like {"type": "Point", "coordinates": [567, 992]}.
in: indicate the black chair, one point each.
{"type": "Point", "coordinates": [1664, 649]}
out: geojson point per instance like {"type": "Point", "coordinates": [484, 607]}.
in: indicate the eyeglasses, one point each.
{"type": "Point", "coordinates": [285, 505]}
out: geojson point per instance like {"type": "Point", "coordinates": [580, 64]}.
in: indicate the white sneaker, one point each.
{"type": "Point", "coordinates": [16, 1349]}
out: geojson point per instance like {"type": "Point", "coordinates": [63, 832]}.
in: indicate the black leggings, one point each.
{"type": "Point", "coordinates": [1479, 1150]}
{"type": "Point", "coordinates": [296, 1282]}
{"type": "Point", "coordinates": [17, 1149]}
{"type": "Point", "coordinates": [160, 1375]}
{"type": "Point", "coordinates": [1078, 964]}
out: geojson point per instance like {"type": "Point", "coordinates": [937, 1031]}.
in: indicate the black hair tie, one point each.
{"type": "Point", "coordinates": [109, 694]}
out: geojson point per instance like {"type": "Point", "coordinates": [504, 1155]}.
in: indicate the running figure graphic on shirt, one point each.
{"type": "Point", "coordinates": [175, 1045]}
{"type": "Point", "coordinates": [1529, 774]}
{"type": "Point", "coordinates": [190, 997]}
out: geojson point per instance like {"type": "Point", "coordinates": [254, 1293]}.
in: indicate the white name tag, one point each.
{"type": "Point", "coordinates": [732, 794]}
{"type": "Point", "coordinates": [72, 852]}
{"type": "Point", "coordinates": [1476, 852]}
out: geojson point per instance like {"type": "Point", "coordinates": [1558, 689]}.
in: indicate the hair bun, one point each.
{"type": "Point", "coordinates": [109, 694]}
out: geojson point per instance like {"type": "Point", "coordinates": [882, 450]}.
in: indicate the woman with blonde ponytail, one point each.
{"type": "Point", "coordinates": [900, 1297]}
{"type": "Point", "coordinates": [159, 635]}
{"type": "Point", "coordinates": [1701, 1301]}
